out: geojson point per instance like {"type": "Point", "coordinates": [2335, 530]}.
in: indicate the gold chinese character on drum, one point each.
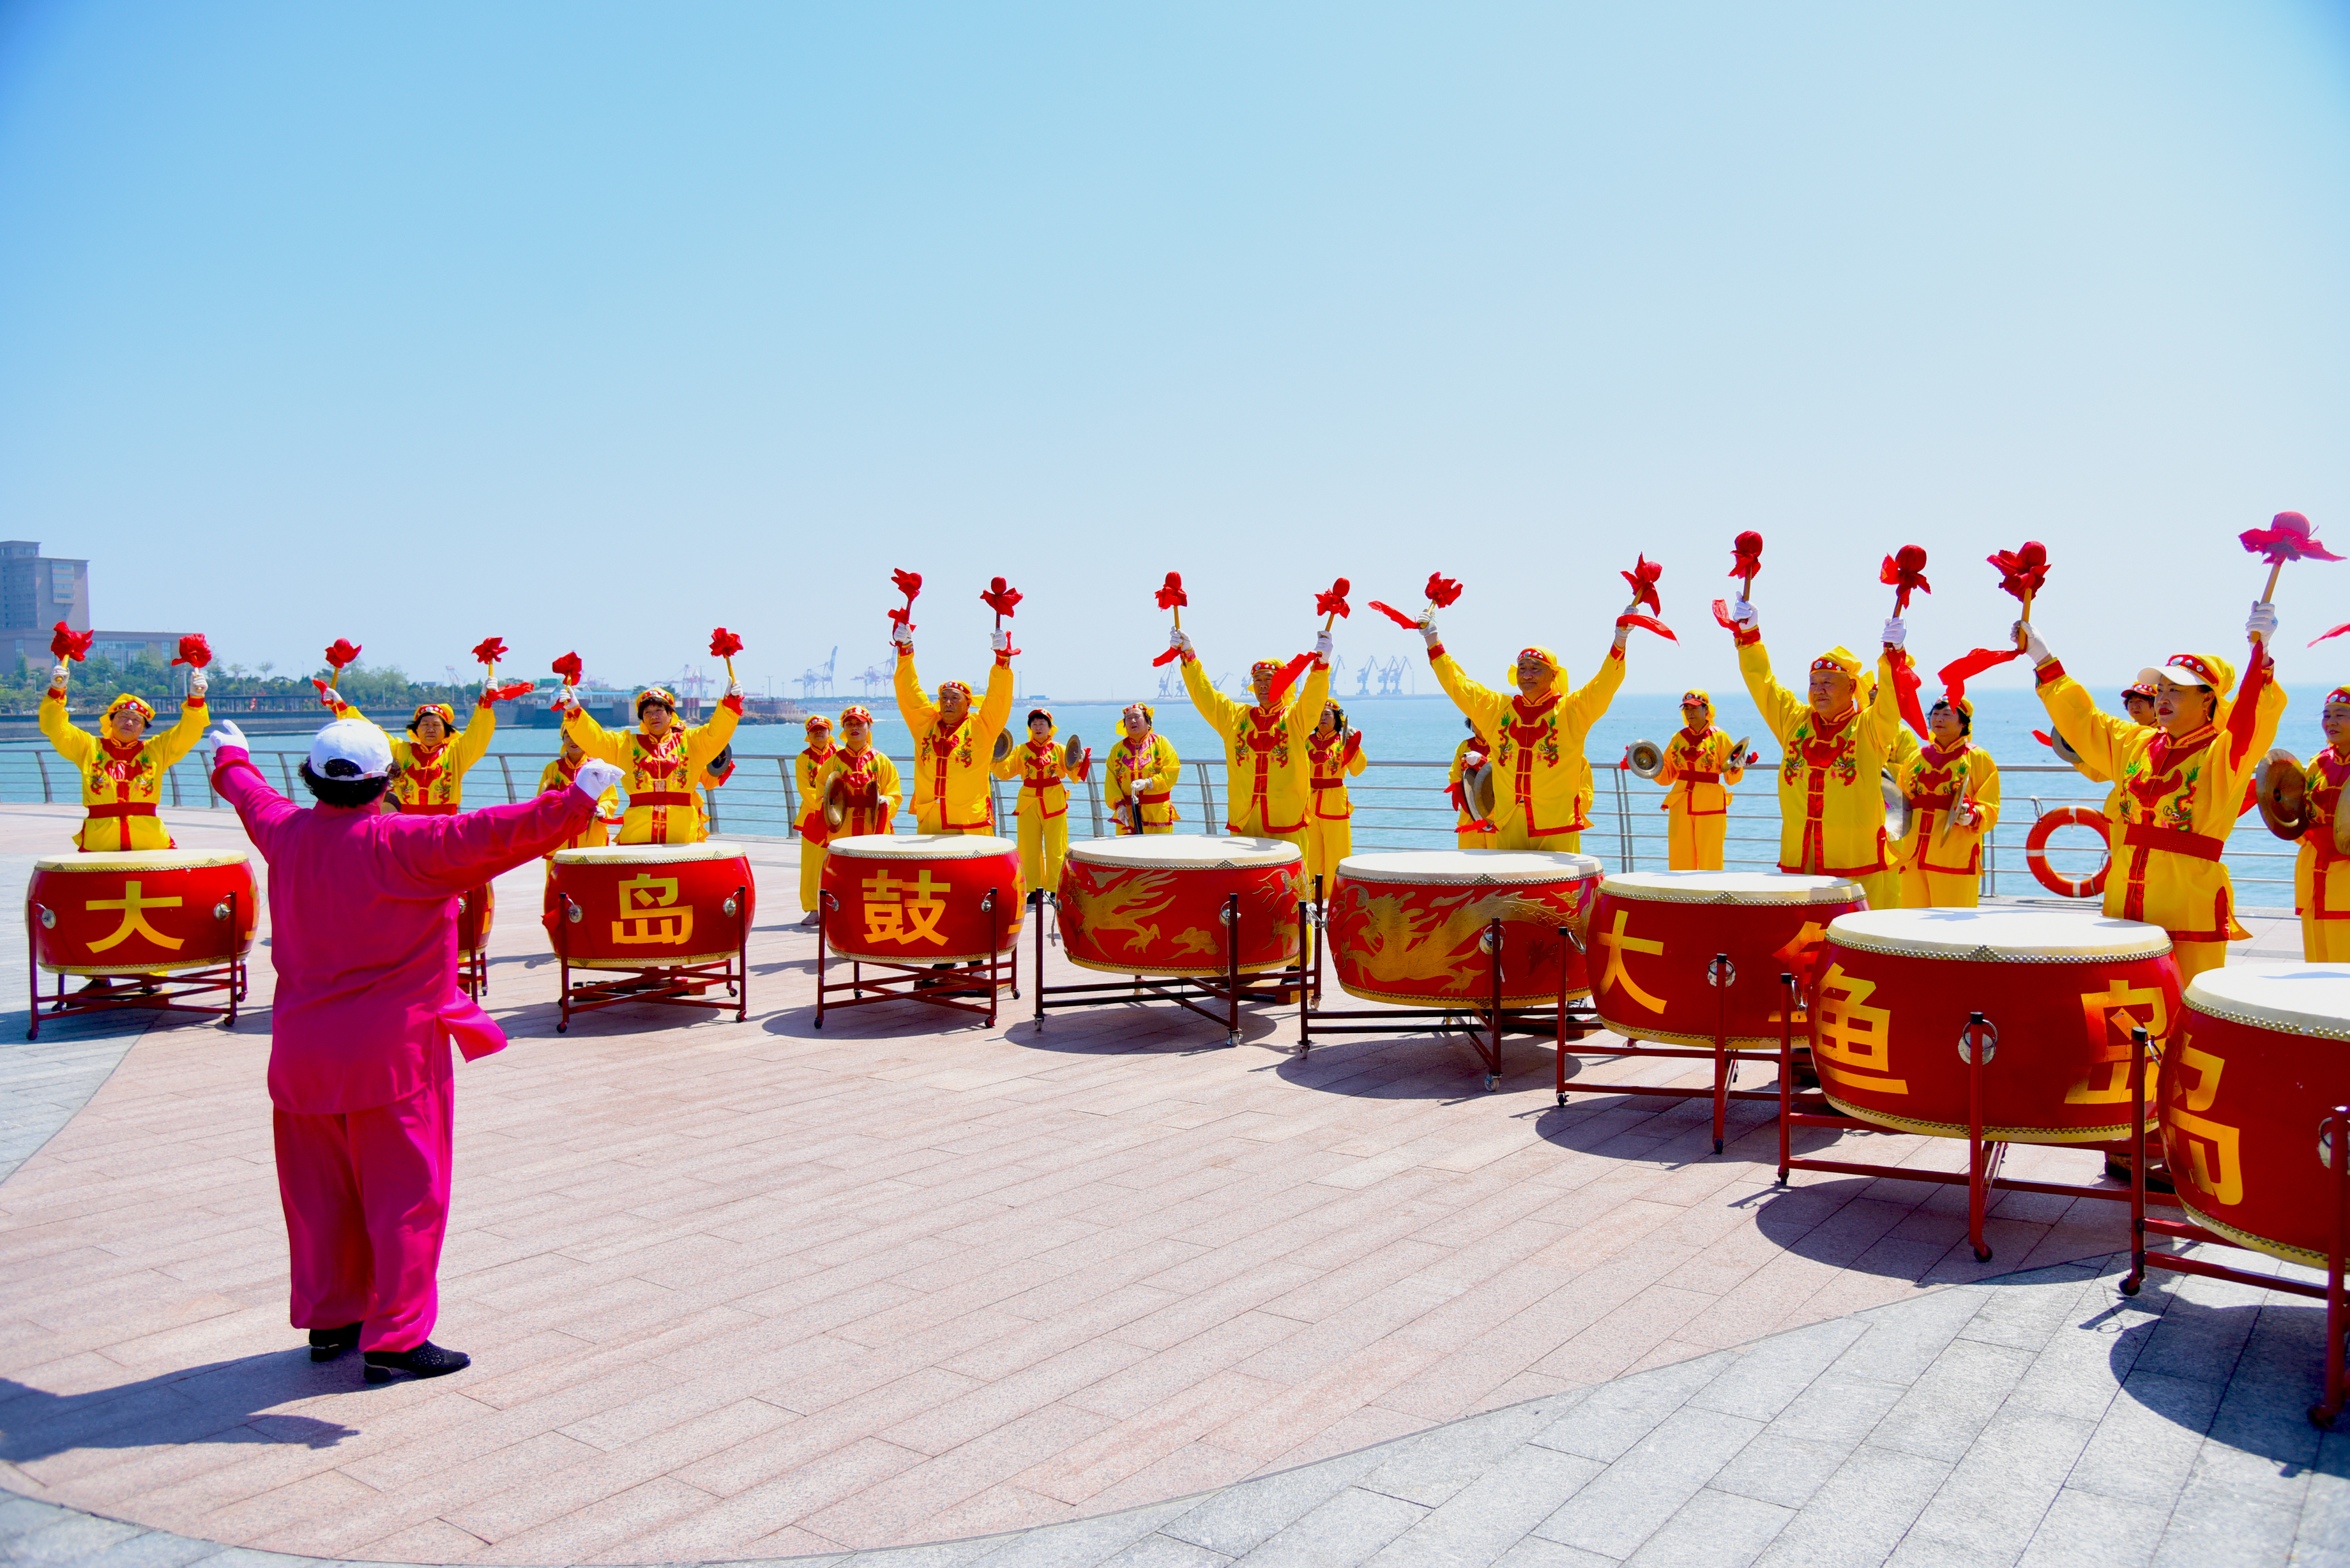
{"type": "Point", "coordinates": [1156, 904]}
{"type": "Point", "coordinates": [1655, 935]}
{"type": "Point", "coordinates": [922, 898]}
{"type": "Point", "coordinates": [167, 923]}
{"type": "Point", "coordinates": [1410, 926]}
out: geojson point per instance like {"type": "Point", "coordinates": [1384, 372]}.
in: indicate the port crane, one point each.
{"type": "Point", "coordinates": [818, 676]}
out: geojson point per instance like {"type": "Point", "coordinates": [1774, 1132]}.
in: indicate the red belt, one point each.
{"type": "Point", "coordinates": [661, 797]}
{"type": "Point", "coordinates": [1703, 778]}
{"type": "Point", "coordinates": [125, 809]}
{"type": "Point", "coordinates": [2200, 846]}
{"type": "Point", "coordinates": [421, 809]}
{"type": "Point", "coordinates": [1161, 798]}
{"type": "Point", "coordinates": [1935, 802]}
{"type": "Point", "coordinates": [1329, 783]}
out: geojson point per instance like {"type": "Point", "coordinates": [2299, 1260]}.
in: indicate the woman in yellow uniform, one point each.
{"type": "Point", "coordinates": [428, 769]}
{"type": "Point", "coordinates": [1952, 788]}
{"type": "Point", "coordinates": [1142, 769]}
{"type": "Point", "coordinates": [1700, 766]}
{"type": "Point", "coordinates": [953, 746]}
{"type": "Point", "coordinates": [2321, 873]}
{"type": "Point", "coordinates": [1044, 806]}
{"type": "Point", "coordinates": [1543, 785]}
{"type": "Point", "coordinates": [557, 776]}
{"type": "Point", "coordinates": [872, 791]}
{"type": "Point", "coordinates": [1264, 742]}
{"type": "Point", "coordinates": [1836, 735]}
{"type": "Point", "coordinates": [808, 773]}
{"type": "Point", "coordinates": [1333, 752]}
{"type": "Point", "coordinates": [660, 760]}
{"type": "Point", "coordinates": [2179, 786]}
{"type": "Point", "coordinates": [1469, 831]}
{"type": "Point", "coordinates": [122, 766]}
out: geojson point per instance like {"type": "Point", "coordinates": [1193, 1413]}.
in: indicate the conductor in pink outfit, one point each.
{"type": "Point", "coordinates": [363, 936]}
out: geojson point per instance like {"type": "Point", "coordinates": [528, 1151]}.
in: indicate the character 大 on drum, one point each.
{"type": "Point", "coordinates": [869, 791]}
{"type": "Point", "coordinates": [1702, 764]}
{"type": "Point", "coordinates": [1333, 752]}
{"type": "Point", "coordinates": [1952, 787]}
{"type": "Point", "coordinates": [121, 766]}
{"type": "Point", "coordinates": [2320, 872]}
{"type": "Point", "coordinates": [953, 746]}
{"type": "Point", "coordinates": [1142, 769]}
{"type": "Point", "coordinates": [807, 769]}
{"type": "Point", "coordinates": [1044, 806]}
{"type": "Point", "coordinates": [363, 909]}
{"type": "Point", "coordinates": [2179, 786]}
{"type": "Point", "coordinates": [1836, 736]}
{"type": "Point", "coordinates": [660, 761]}
{"type": "Point", "coordinates": [1264, 742]}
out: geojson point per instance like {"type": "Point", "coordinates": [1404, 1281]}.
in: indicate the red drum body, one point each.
{"type": "Point", "coordinates": [2255, 1065]}
{"type": "Point", "coordinates": [2062, 989]}
{"type": "Point", "coordinates": [1407, 926]}
{"type": "Point", "coordinates": [922, 898]}
{"type": "Point", "coordinates": [1655, 934]}
{"type": "Point", "coordinates": [140, 912]}
{"type": "Point", "coordinates": [1156, 904]}
{"type": "Point", "coordinates": [645, 905]}
{"type": "Point", "coordinates": [476, 912]}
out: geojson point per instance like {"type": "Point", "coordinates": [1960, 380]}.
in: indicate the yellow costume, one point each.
{"type": "Point", "coordinates": [2175, 802]}
{"type": "Point", "coordinates": [430, 780]}
{"type": "Point", "coordinates": [121, 782]}
{"type": "Point", "coordinates": [1700, 767]}
{"type": "Point", "coordinates": [1942, 860]}
{"type": "Point", "coordinates": [1329, 822]}
{"type": "Point", "coordinates": [1831, 790]}
{"type": "Point", "coordinates": [1156, 765]}
{"type": "Point", "coordinates": [1043, 807]}
{"type": "Point", "coordinates": [1265, 750]}
{"type": "Point", "coordinates": [874, 793]}
{"type": "Point", "coordinates": [808, 773]}
{"type": "Point", "coordinates": [2320, 874]}
{"type": "Point", "coordinates": [1543, 785]}
{"type": "Point", "coordinates": [659, 774]}
{"type": "Point", "coordinates": [1469, 831]}
{"type": "Point", "coordinates": [951, 767]}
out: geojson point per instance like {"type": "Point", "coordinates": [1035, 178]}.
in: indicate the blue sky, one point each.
{"type": "Point", "coordinates": [595, 326]}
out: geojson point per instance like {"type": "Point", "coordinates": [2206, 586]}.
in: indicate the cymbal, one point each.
{"type": "Point", "coordinates": [1002, 744]}
{"type": "Point", "coordinates": [2282, 790]}
{"type": "Point", "coordinates": [1478, 783]}
{"type": "Point", "coordinates": [1074, 753]}
{"type": "Point", "coordinates": [1647, 759]}
{"type": "Point", "coordinates": [1896, 807]}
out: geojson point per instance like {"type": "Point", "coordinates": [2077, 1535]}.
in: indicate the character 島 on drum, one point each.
{"type": "Point", "coordinates": [1266, 741]}
{"type": "Point", "coordinates": [1952, 788]}
{"type": "Point", "coordinates": [2179, 787]}
{"type": "Point", "coordinates": [1700, 766]}
{"type": "Point", "coordinates": [121, 766]}
{"type": "Point", "coordinates": [953, 745]}
{"type": "Point", "coordinates": [1142, 769]}
{"type": "Point", "coordinates": [660, 762]}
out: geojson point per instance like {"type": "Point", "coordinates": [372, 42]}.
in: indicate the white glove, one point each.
{"type": "Point", "coordinates": [1896, 632]}
{"type": "Point", "coordinates": [596, 777]}
{"type": "Point", "coordinates": [1179, 641]}
{"type": "Point", "coordinates": [901, 634]}
{"type": "Point", "coordinates": [331, 700]}
{"type": "Point", "coordinates": [1745, 615]}
{"type": "Point", "coordinates": [1322, 646]}
{"type": "Point", "coordinates": [57, 676]}
{"type": "Point", "coordinates": [734, 690]}
{"type": "Point", "coordinates": [2033, 648]}
{"type": "Point", "coordinates": [1427, 632]}
{"type": "Point", "coordinates": [566, 698]}
{"type": "Point", "coordinates": [198, 683]}
{"type": "Point", "coordinates": [1000, 640]}
{"type": "Point", "coordinates": [2263, 624]}
{"type": "Point", "coordinates": [225, 733]}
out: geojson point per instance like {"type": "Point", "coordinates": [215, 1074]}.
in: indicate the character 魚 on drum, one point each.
{"type": "Point", "coordinates": [1702, 764]}
{"type": "Point", "coordinates": [1142, 769]}
{"type": "Point", "coordinates": [121, 767]}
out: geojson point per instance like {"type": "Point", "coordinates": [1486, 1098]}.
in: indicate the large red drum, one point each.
{"type": "Point", "coordinates": [648, 906]}
{"type": "Point", "coordinates": [2062, 989]}
{"type": "Point", "coordinates": [1655, 935]}
{"type": "Point", "coordinates": [1406, 925]}
{"type": "Point", "coordinates": [922, 898]}
{"type": "Point", "coordinates": [140, 912]}
{"type": "Point", "coordinates": [1156, 904]}
{"type": "Point", "coordinates": [2247, 1079]}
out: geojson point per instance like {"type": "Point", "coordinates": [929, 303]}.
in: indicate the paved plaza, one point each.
{"type": "Point", "coordinates": [1108, 1292]}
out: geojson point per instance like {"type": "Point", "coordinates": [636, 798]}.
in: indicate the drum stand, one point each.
{"type": "Point", "coordinates": [1483, 1024]}
{"type": "Point", "coordinates": [474, 968]}
{"type": "Point", "coordinates": [1186, 990]}
{"type": "Point", "coordinates": [1978, 1046]}
{"type": "Point", "coordinates": [1722, 974]}
{"type": "Point", "coordinates": [2335, 1136]}
{"type": "Point", "coordinates": [660, 985]}
{"type": "Point", "coordinates": [166, 992]}
{"type": "Point", "coordinates": [945, 988]}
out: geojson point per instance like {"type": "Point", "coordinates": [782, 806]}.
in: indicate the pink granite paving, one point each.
{"type": "Point", "coordinates": [745, 1290]}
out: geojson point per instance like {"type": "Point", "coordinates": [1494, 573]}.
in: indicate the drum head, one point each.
{"type": "Point", "coordinates": [1187, 851]}
{"type": "Point", "coordinates": [648, 854]}
{"type": "Point", "coordinates": [1647, 759]}
{"type": "Point", "coordinates": [1074, 753]}
{"type": "Point", "coordinates": [921, 847]}
{"type": "Point", "coordinates": [141, 860]}
{"type": "Point", "coordinates": [1468, 867]}
{"type": "Point", "coordinates": [2281, 789]}
{"type": "Point", "coordinates": [2311, 1000]}
{"type": "Point", "coordinates": [1732, 887]}
{"type": "Point", "coordinates": [1896, 807]}
{"type": "Point", "coordinates": [1998, 935]}
{"type": "Point", "coordinates": [1002, 744]}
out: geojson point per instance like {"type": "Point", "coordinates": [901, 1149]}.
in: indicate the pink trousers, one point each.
{"type": "Point", "coordinates": [367, 1203]}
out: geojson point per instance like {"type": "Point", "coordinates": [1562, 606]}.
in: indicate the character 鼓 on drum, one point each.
{"type": "Point", "coordinates": [1700, 766]}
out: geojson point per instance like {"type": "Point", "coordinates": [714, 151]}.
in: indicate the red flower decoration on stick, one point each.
{"type": "Point", "coordinates": [73, 644]}
{"type": "Point", "coordinates": [2022, 572]}
{"type": "Point", "coordinates": [1171, 596]}
{"type": "Point", "coordinates": [1642, 580]}
{"type": "Point", "coordinates": [1000, 597]}
{"type": "Point", "coordinates": [908, 584]}
{"type": "Point", "coordinates": [1332, 605]}
{"type": "Point", "coordinates": [343, 651]}
{"type": "Point", "coordinates": [566, 669]}
{"type": "Point", "coordinates": [489, 650]}
{"type": "Point", "coordinates": [725, 645]}
{"type": "Point", "coordinates": [1905, 573]}
{"type": "Point", "coordinates": [1746, 560]}
{"type": "Point", "coordinates": [194, 650]}
{"type": "Point", "coordinates": [2288, 537]}
{"type": "Point", "coordinates": [1442, 590]}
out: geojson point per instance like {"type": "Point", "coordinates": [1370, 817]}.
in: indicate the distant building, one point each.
{"type": "Point", "coordinates": [37, 591]}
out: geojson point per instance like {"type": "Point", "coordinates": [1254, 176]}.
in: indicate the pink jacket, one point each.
{"type": "Point", "coordinates": [363, 934]}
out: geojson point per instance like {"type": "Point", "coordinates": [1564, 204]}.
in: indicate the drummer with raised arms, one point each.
{"type": "Point", "coordinates": [2320, 871]}
{"type": "Point", "coordinates": [428, 769]}
{"type": "Point", "coordinates": [858, 787]}
{"type": "Point", "coordinates": [807, 772]}
{"type": "Point", "coordinates": [1142, 769]}
{"type": "Point", "coordinates": [122, 766]}
{"type": "Point", "coordinates": [953, 745]}
{"type": "Point", "coordinates": [2179, 786]}
{"type": "Point", "coordinates": [1044, 772]}
{"type": "Point", "coordinates": [1836, 737]}
{"type": "Point", "coordinates": [660, 761]}
{"type": "Point", "coordinates": [1264, 740]}
{"type": "Point", "coordinates": [1952, 789]}
{"type": "Point", "coordinates": [1702, 766]}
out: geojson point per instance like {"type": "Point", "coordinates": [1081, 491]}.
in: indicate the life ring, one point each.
{"type": "Point", "coordinates": [2035, 851]}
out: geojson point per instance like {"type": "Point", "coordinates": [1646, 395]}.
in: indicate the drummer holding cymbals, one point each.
{"type": "Point", "coordinates": [807, 769]}
{"type": "Point", "coordinates": [2320, 871]}
{"type": "Point", "coordinates": [1952, 788]}
{"type": "Point", "coordinates": [1702, 764]}
{"type": "Point", "coordinates": [859, 787]}
{"type": "Point", "coordinates": [1142, 769]}
{"type": "Point", "coordinates": [1043, 807]}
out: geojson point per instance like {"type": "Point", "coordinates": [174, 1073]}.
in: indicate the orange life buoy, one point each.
{"type": "Point", "coordinates": [2035, 851]}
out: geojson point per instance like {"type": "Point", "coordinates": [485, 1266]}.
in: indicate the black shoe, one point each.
{"type": "Point", "coordinates": [427, 1360]}
{"type": "Point", "coordinates": [326, 1343]}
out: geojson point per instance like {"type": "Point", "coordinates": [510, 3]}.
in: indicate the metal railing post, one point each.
{"type": "Point", "coordinates": [172, 774]}
{"type": "Point", "coordinates": [1094, 800]}
{"type": "Point", "coordinates": [1207, 801]}
{"type": "Point", "coordinates": [791, 798]}
{"type": "Point", "coordinates": [1624, 818]}
{"type": "Point", "coordinates": [286, 773]}
{"type": "Point", "coordinates": [507, 770]}
{"type": "Point", "coordinates": [41, 761]}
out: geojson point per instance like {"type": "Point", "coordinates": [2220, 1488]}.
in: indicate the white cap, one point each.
{"type": "Point", "coordinates": [353, 741]}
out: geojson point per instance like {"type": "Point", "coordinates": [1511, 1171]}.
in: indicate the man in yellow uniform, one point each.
{"type": "Point", "coordinates": [1469, 831]}
{"type": "Point", "coordinates": [808, 773]}
{"type": "Point", "coordinates": [2179, 786]}
{"type": "Point", "coordinates": [1142, 769]}
{"type": "Point", "coordinates": [2320, 872]}
{"type": "Point", "coordinates": [953, 746]}
{"type": "Point", "coordinates": [660, 760]}
{"type": "Point", "coordinates": [1952, 788]}
{"type": "Point", "coordinates": [1264, 742]}
{"type": "Point", "coordinates": [872, 791]}
{"type": "Point", "coordinates": [1331, 753]}
{"type": "Point", "coordinates": [121, 767]}
{"type": "Point", "coordinates": [428, 769]}
{"type": "Point", "coordinates": [1700, 766]}
{"type": "Point", "coordinates": [1543, 785]}
{"type": "Point", "coordinates": [1043, 807]}
{"type": "Point", "coordinates": [1836, 735]}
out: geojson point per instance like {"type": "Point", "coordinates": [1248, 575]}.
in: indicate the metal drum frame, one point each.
{"type": "Point", "coordinates": [165, 992]}
{"type": "Point", "coordinates": [951, 988]}
{"type": "Point", "coordinates": [658, 985]}
{"type": "Point", "coordinates": [473, 969]}
{"type": "Point", "coordinates": [1188, 991]}
{"type": "Point", "coordinates": [1722, 974]}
